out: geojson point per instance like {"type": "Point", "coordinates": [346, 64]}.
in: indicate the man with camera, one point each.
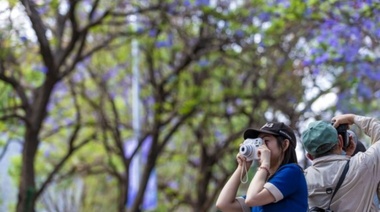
{"type": "Point", "coordinates": [326, 144]}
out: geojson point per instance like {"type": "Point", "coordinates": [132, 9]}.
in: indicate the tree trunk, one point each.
{"type": "Point", "coordinates": [122, 198]}
{"type": "Point", "coordinates": [27, 187]}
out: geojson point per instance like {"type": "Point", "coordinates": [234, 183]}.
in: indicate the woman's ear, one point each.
{"type": "Point", "coordinates": [285, 145]}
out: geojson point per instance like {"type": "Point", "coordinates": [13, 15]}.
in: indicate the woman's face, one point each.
{"type": "Point", "coordinates": [271, 142]}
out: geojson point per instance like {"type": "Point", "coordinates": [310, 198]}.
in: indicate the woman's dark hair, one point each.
{"type": "Point", "coordinates": [290, 155]}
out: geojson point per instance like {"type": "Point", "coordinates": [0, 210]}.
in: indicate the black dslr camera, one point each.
{"type": "Point", "coordinates": [342, 130]}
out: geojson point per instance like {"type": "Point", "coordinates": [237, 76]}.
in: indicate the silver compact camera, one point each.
{"type": "Point", "coordinates": [249, 148]}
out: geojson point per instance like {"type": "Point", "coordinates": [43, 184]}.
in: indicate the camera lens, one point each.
{"type": "Point", "coordinates": [246, 150]}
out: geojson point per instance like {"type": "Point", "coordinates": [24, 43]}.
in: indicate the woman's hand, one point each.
{"type": "Point", "coordinates": [264, 155]}
{"type": "Point", "coordinates": [242, 161]}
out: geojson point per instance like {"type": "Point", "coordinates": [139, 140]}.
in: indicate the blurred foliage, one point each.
{"type": "Point", "coordinates": [208, 70]}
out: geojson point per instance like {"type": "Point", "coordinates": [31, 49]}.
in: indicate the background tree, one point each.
{"type": "Point", "coordinates": [62, 31]}
{"type": "Point", "coordinates": [209, 70]}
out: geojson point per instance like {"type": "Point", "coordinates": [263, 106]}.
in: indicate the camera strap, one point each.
{"type": "Point", "coordinates": [340, 181]}
{"type": "Point", "coordinates": [243, 173]}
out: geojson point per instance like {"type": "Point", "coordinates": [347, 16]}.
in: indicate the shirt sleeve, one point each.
{"type": "Point", "coordinates": [370, 126]}
{"type": "Point", "coordinates": [370, 159]}
{"type": "Point", "coordinates": [244, 206]}
{"type": "Point", "coordinates": [285, 182]}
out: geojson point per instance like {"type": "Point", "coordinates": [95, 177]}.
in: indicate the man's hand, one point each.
{"type": "Point", "coordinates": [343, 119]}
{"type": "Point", "coordinates": [351, 147]}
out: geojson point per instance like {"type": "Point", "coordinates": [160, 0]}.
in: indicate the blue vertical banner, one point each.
{"type": "Point", "coordinates": [140, 159]}
{"type": "Point", "coordinates": [134, 171]}
{"type": "Point", "coordinates": [150, 195]}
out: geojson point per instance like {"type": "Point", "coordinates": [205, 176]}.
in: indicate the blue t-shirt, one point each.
{"type": "Point", "coordinates": [290, 181]}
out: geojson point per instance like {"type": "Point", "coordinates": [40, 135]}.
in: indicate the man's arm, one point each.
{"type": "Point", "coordinates": [370, 126]}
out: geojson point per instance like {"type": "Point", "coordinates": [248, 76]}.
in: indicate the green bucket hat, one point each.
{"type": "Point", "coordinates": [319, 137]}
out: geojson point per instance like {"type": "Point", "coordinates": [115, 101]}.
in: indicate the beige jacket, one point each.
{"type": "Point", "coordinates": [360, 185]}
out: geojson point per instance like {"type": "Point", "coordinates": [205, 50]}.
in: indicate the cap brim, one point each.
{"type": "Point", "coordinates": [253, 133]}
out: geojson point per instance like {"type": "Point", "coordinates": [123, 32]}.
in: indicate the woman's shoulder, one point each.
{"type": "Point", "coordinates": [294, 167]}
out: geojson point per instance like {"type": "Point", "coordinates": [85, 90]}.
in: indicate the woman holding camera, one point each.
{"type": "Point", "coordinates": [279, 183]}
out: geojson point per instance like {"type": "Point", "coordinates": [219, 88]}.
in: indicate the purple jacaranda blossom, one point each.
{"type": "Point", "coordinates": [307, 62]}
{"type": "Point", "coordinates": [202, 2]}
{"type": "Point", "coordinates": [333, 42]}
{"type": "Point", "coordinates": [315, 71]}
{"type": "Point", "coordinates": [203, 63]}
{"type": "Point", "coordinates": [350, 53]}
{"type": "Point", "coordinates": [238, 101]}
{"type": "Point", "coordinates": [364, 91]}
{"type": "Point", "coordinates": [368, 24]}
{"type": "Point", "coordinates": [280, 61]}
{"type": "Point", "coordinates": [47, 153]}
{"type": "Point", "coordinates": [355, 33]}
{"type": "Point", "coordinates": [377, 33]}
{"type": "Point", "coordinates": [60, 87]}
{"type": "Point", "coordinates": [173, 185]}
{"type": "Point", "coordinates": [23, 39]}
{"type": "Point", "coordinates": [170, 39]}
{"type": "Point", "coordinates": [51, 122]}
{"type": "Point", "coordinates": [187, 3]}
{"type": "Point", "coordinates": [239, 34]}
{"type": "Point", "coordinates": [196, 161]}
{"type": "Point", "coordinates": [264, 16]}
{"type": "Point", "coordinates": [113, 94]}
{"type": "Point", "coordinates": [218, 135]}
{"type": "Point", "coordinates": [40, 68]}
{"type": "Point", "coordinates": [161, 44]}
{"type": "Point", "coordinates": [91, 93]}
{"type": "Point", "coordinates": [284, 3]}
{"type": "Point", "coordinates": [363, 69]}
{"type": "Point", "coordinates": [262, 44]}
{"type": "Point", "coordinates": [337, 59]}
{"type": "Point", "coordinates": [308, 12]}
{"type": "Point", "coordinates": [342, 96]}
{"type": "Point", "coordinates": [111, 73]}
{"type": "Point", "coordinates": [315, 51]}
{"type": "Point", "coordinates": [329, 23]}
{"type": "Point", "coordinates": [321, 59]}
{"type": "Point", "coordinates": [230, 110]}
{"type": "Point", "coordinates": [42, 10]}
{"type": "Point", "coordinates": [356, 5]}
{"type": "Point", "coordinates": [44, 69]}
{"type": "Point", "coordinates": [50, 106]}
{"type": "Point", "coordinates": [78, 76]}
{"type": "Point", "coordinates": [149, 100]}
{"type": "Point", "coordinates": [377, 94]}
{"type": "Point", "coordinates": [68, 121]}
{"type": "Point", "coordinates": [224, 4]}
{"type": "Point", "coordinates": [172, 7]}
{"type": "Point", "coordinates": [153, 33]}
{"type": "Point", "coordinates": [140, 30]}
{"type": "Point", "coordinates": [165, 43]}
{"type": "Point", "coordinates": [373, 74]}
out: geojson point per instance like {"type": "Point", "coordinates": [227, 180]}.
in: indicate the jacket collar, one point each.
{"type": "Point", "coordinates": [329, 159]}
